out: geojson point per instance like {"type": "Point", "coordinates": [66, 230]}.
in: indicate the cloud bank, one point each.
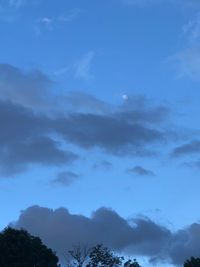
{"type": "Point", "coordinates": [137, 236]}
{"type": "Point", "coordinates": [38, 130]}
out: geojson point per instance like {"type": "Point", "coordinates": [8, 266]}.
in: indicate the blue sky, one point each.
{"type": "Point", "coordinates": [99, 106]}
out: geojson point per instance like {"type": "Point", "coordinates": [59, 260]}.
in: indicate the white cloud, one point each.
{"type": "Point", "coordinates": [72, 14]}
{"type": "Point", "coordinates": [187, 3]}
{"type": "Point", "coordinates": [13, 4]}
{"type": "Point", "coordinates": [141, 2]}
{"type": "Point", "coordinates": [61, 71]}
{"type": "Point", "coordinates": [187, 61]}
{"type": "Point", "coordinates": [9, 9]}
{"type": "Point", "coordinates": [191, 30]}
{"type": "Point", "coordinates": [49, 23]}
{"type": "Point", "coordinates": [82, 67]}
{"type": "Point", "coordinates": [16, 3]}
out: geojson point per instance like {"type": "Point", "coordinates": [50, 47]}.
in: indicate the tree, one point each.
{"type": "Point", "coordinates": [193, 262]}
{"type": "Point", "coordinates": [101, 256]}
{"type": "Point", "coordinates": [97, 256]}
{"type": "Point", "coordinates": [78, 256]}
{"type": "Point", "coordinates": [130, 263]}
{"type": "Point", "coordinates": [19, 249]}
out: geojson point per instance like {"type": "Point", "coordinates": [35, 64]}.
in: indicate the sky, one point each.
{"type": "Point", "coordinates": [99, 112]}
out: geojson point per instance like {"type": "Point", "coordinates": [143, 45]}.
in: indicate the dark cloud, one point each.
{"type": "Point", "coordinates": [23, 132]}
{"type": "Point", "coordinates": [41, 151]}
{"type": "Point", "coordinates": [103, 164]}
{"type": "Point", "coordinates": [33, 89]}
{"type": "Point", "coordinates": [29, 89]}
{"type": "Point", "coordinates": [65, 178]}
{"type": "Point", "coordinates": [139, 236]}
{"type": "Point", "coordinates": [185, 243]}
{"type": "Point", "coordinates": [34, 120]}
{"type": "Point", "coordinates": [111, 134]}
{"type": "Point", "coordinates": [140, 110]}
{"type": "Point", "coordinates": [24, 140]}
{"type": "Point", "coordinates": [83, 102]}
{"type": "Point", "coordinates": [130, 128]}
{"type": "Point", "coordinates": [140, 171]}
{"type": "Point", "coordinates": [59, 229]}
{"type": "Point", "coordinates": [187, 149]}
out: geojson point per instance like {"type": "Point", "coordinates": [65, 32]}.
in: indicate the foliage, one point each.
{"type": "Point", "coordinates": [193, 262]}
{"type": "Point", "coordinates": [97, 256]}
{"type": "Point", "coordinates": [78, 255]}
{"type": "Point", "coordinates": [101, 256]}
{"type": "Point", "coordinates": [131, 263]}
{"type": "Point", "coordinates": [19, 249]}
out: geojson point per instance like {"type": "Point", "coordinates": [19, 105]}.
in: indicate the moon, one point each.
{"type": "Point", "coordinates": [125, 97]}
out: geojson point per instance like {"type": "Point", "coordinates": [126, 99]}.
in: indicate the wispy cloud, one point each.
{"type": "Point", "coordinates": [141, 2]}
{"type": "Point", "coordinates": [16, 3]}
{"type": "Point", "coordinates": [104, 165]}
{"type": "Point", "coordinates": [65, 178]}
{"type": "Point", "coordinates": [9, 9]}
{"type": "Point", "coordinates": [49, 23]}
{"type": "Point", "coordinates": [190, 148]}
{"type": "Point", "coordinates": [186, 62]}
{"type": "Point", "coordinates": [144, 3]}
{"type": "Point", "coordinates": [82, 68]}
{"type": "Point", "coordinates": [12, 3]}
{"type": "Point", "coordinates": [138, 170]}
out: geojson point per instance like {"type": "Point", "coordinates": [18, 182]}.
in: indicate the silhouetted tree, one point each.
{"type": "Point", "coordinates": [193, 262]}
{"type": "Point", "coordinates": [78, 256]}
{"type": "Point", "coordinates": [131, 263]}
{"type": "Point", "coordinates": [19, 249]}
{"type": "Point", "coordinates": [101, 256]}
{"type": "Point", "coordinates": [97, 256]}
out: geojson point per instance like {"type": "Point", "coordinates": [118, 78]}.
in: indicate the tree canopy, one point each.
{"type": "Point", "coordinates": [97, 256]}
{"type": "Point", "coordinates": [193, 262]}
{"type": "Point", "coordinates": [20, 249]}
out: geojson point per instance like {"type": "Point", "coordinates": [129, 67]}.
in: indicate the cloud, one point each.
{"type": "Point", "coordinates": [24, 140]}
{"type": "Point", "coordinates": [10, 9]}
{"type": "Point", "coordinates": [65, 178]}
{"type": "Point", "coordinates": [28, 137]}
{"type": "Point", "coordinates": [16, 3]}
{"type": "Point", "coordinates": [42, 151]}
{"type": "Point", "coordinates": [32, 113]}
{"type": "Point", "coordinates": [59, 229]}
{"type": "Point", "coordinates": [185, 243]}
{"type": "Point", "coordinates": [82, 68]}
{"type": "Point", "coordinates": [12, 3]}
{"type": "Point", "coordinates": [29, 89]}
{"type": "Point", "coordinates": [186, 62]}
{"type": "Point", "coordinates": [141, 171]}
{"type": "Point", "coordinates": [112, 134]}
{"type": "Point", "coordinates": [138, 109]}
{"type": "Point", "coordinates": [187, 149]}
{"type": "Point", "coordinates": [103, 164]}
{"type": "Point", "coordinates": [85, 103]}
{"type": "Point", "coordinates": [142, 2]}
{"type": "Point", "coordinates": [50, 23]}
{"type": "Point", "coordinates": [137, 236]}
